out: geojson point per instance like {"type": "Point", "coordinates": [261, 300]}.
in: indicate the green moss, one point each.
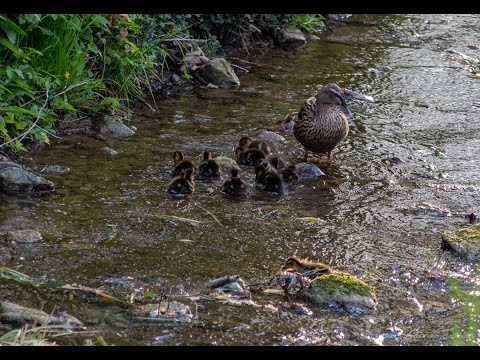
{"type": "Point", "coordinates": [342, 284]}
{"type": "Point", "coordinates": [463, 235]}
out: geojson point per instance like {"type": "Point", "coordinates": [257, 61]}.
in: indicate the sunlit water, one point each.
{"type": "Point", "coordinates": [103, 226]}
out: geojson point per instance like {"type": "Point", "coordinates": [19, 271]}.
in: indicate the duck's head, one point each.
{"type": "Point", "coordinates": [262, 168]}
{"type": "Point", "coordinates": [207, 155]}
{"type": "Point", "coordinates": [332, 94]}
{"type": "Point", "coordinates": [245, 142]}
{"type": "Point", "coordinates": [239, 151]}
{"type": "Point", "coordinates": [292, 264]}
{"type": "Point", "coordinates": [178, 156]}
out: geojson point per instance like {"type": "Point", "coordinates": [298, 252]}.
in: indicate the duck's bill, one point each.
{"type": "Point", "coordinates": [352, 95]}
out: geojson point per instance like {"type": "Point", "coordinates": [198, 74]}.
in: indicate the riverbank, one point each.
{"type": "Point", "coordinates": [104, 65]}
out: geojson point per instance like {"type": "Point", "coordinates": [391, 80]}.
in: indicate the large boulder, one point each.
{"type": "Point", "coordinates": [464, 241]}
{"type": "Point", "coordinates": [343, 291]}
{"type": "Point", "coordinates": [219, 72]}
{"type": "Point", "coordinates": [15, 178]}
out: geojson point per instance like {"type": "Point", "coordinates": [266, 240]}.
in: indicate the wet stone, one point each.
{"type": "Point", "coordinates": [269, 136]}
{"type": "Point", "coordinates": [108, 151]}
{"type": "Point", "coordinates": [111, 126]}
{"type": "Point", "coordinates": [290, 35]}
{"type": "Point", "coordinates": [52, 169]}
{"type": "Point", "coordinates": [227, 163]}
{"type": "Point", "coordinates": [219, 72]}
{"type": "Point", "coordinates": [14, 179]}
{"type": "Point", "coordinates": [27, 236]}
{"type": "Point", "coordinates": [343, 291]}
{"type": "Point", "coordinates": [307, 171]}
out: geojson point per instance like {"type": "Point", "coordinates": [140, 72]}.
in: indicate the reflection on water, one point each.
{"type": "Point", "coordinates": [106, 220]}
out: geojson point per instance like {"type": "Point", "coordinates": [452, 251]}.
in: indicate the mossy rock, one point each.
{"type": "Point", "coordinates": [464, 241]}
{"type": "Point", "coordinates": [344, 291]}
{"type": "Point", "coordinates": [227, 163]}
{"type": "Point", "coordinates": [219, 72]}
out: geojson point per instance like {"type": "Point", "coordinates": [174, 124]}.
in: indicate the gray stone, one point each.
{"type": "Point", "coordinates": [15, 178]}
{"type": "Point", "coordinates": [270, 136]}
{"type": "Point", "coordinates": [27, 236]}
{"type": "Point", "coordinates": [307, 171]}
{"type": "Point", "coordinates": [108, 151]}
{"type": "Point", "coordinates": [219, 72]}
{"type": "Point", "coordinates": [52, 169]}
{"type": "Point", "coordinates": [109, 125]}
{"type": "Point", "coordinates": [291, 35]}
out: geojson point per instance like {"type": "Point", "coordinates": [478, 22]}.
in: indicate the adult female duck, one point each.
{"type": "Point", "coordinates": [323, 119]}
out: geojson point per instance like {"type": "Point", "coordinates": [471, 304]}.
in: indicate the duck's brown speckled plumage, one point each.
{"type": "Point", "coordinates": [322, 123]}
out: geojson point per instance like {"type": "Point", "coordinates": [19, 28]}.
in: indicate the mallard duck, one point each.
{"type": "Point", "coordinates": [181, 165]}
{"type": "Point", "coordinates": [261, 145]}
{"type": "Point", "coordinates": [289, 174]}
{"type": "Point", "coordinates": [322, 121]}
{"type": "Point", "coordinates": [235, 186]}
{"type": "Point", "coordinates": [306, 267]}
{"type": "Point", "coordinates": [209, 168]}
{"type": "Point", "coordinates": [250, 157]}
{"type": "Point", "coordinates": [277, 161]}
{"type": "Point", "coordinates": [182, 185]}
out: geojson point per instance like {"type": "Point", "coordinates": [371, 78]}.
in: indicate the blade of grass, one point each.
{"type": "Point", "coordinates": [211, 214]}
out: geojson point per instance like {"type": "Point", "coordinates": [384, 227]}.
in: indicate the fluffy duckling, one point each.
{"type": "Point", "coordinates": [182, 185]}
{"type": "Point", "coordinates": [209, 168]}
{"type": "Point", "coordinates": [306, 267]}
{"type": "Point", "coordinates": [181, 165]}
{"type": "Point", "coordinates": [261, 145]}
{"type": "Point", "coordinates": [277, 161]}
{"type": "Point", "coordinates": [235, 186]}
{"type": "Point", "coordinates": [289, 175]}
{"type": "Point", "coordinates": [261, 170]}
{"type": "Point", "coordinates": [250, 157]}
{"type": "Point", "coordinates": [272, 182]}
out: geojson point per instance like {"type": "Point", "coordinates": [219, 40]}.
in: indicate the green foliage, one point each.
{"type": "Point", "coordinates": [56, 63]}
{"type": "Point", "coordinates": [466, 334]}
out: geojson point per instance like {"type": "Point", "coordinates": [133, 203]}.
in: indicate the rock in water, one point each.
{"type": "Point", "coordinates": [108, 125]}
{"type": "Point", "coordinates": [14, 179]}
{"type": "Point", "coordinates": [26, 236]}
{"type": "Point", "coordinates": [291, 35]}
{"type": "Point", "coordinates": [343, 290]}
{"type": "Point", "coordinates": [464, 241]}
{"type": "Point", "coordinates": [307, 171]}
{"type": "Point", "coordinates": [219, 72]}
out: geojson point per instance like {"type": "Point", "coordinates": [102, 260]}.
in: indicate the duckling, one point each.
{"type": "Point", "coordinates": [235, 186]}
{"type": "Point", "coordinates": [276, 160]}
{"type": "Point", "coordinates": [261, 170]}
{"type": "Point", "coordinates": [261, 145]}
{"type": "Point", "coordinates": [250, 157]}
{"type": "Point", "coordinates": [182, 185]}
{"type": "Point", "coordinates": [289, 175]}
{"type": "Point", "coordinates": [209, 168]}
{"type": "Point", "coordinates": [181, 165]}
{"type": "Point", "coordinates": [273, 182]}
{"type": "Point", "coordinates": [306, 267]}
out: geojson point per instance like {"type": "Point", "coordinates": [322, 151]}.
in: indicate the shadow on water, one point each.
{"type": "Point", "coordinates": [106, 225]}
